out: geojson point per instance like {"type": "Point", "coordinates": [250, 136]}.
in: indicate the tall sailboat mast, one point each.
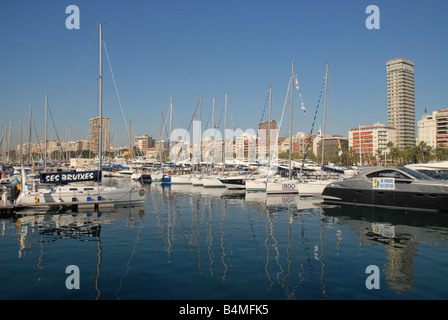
{"type": "Point", "coordinates": [130, 141]}
{"type": "Point", "coordinates": [225, 127]}
{"type": "Point", "coordinates": [29, 138]}
{"type": "Point", "coordinates": [171, 127]}
{"type": "Point", "coordinates": [20, 139]}
{"type": "Point", "coordinates": [325, 113]}
{"type": "Point", "coordinates": [9, 141]}
{"type": "Point", "coordinates": [45, 138]}
{"type": "Point", "coordinates": [290, 121]}
{"type": "Point", "coordinates": [100, 94]}
{"type": "Point", "coordinates": [160, 139]}
{"type": "Point", "coordinates": [269, 127]}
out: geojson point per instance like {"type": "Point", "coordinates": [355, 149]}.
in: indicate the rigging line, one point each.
{"type": "Point", "coordinates": [281, 120]}
{"type": "Point", "coordinates": [300, 96]}
{"type": "Point", "coordinates": [56, 131]}
{"type": "Point", "coordinates": [186, 133]}
{"type": "Point", "coordinates": [265, 105]}
{"type": "Point", "coordinates": [38, 140]}
{"type": "Point", "coordinates": [220, 117]}
{"type": "Point", "coordinates": [77, 71]}
{"type": "Point", "coordinates": [284, 106]}
{"type": "Point", "coordinates": [312, 126]}
{"type": "Point", "coordinates": [3, 135]}
{"type": "Point", "coordinates": [116, 90]}
{"type": "Point", "coordinates": [208, 120]}
{"type": "Point", "coordinates": [164, 126]}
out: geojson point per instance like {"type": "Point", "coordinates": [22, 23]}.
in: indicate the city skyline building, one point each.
{"type": "Point", "coordinates": [427, 130]}
{"type": "Point", "coordinates": [442, 128]}
{"type": "Point", "coordinates": [401, 100]}
{"type": "Point", "coordinates": [433, 129]}
{"type": "Point", "coordinates": [94, 133]}
{"type": "Point", "coordinates": [371, 140]}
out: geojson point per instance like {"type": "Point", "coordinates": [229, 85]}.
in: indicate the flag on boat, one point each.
{"type": "Point", "coordinates": [24, 187]}
{"type": "Point", "coordinates": [318, 136]}
{"type": "Point", "coordinates": [303, 108]}
{"type": "Point", "coordinates": [339, 149]}
{"type": "Point", "coordinates": [297, 83]}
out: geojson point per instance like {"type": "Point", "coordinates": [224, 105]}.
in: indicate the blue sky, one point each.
{"type": "Point", "coordinates": [187, 49]}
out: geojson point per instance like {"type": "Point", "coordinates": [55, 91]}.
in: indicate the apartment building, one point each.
{"type": "Point", "coordinates": [401, 100]}
{"type": "Point", "coordinates": [369, 140]}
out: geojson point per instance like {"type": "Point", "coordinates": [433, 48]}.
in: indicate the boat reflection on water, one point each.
{"type": "Point", "coordinates": [406, 219]}
{"type": "Point", "coordinates": [274, 202]}
{"type": "Point", "coordinates": [40, 228]}
{"type": "Point", "coordinates": [203, 243]}
{"type": "Point", "coordinates": [399, 231]}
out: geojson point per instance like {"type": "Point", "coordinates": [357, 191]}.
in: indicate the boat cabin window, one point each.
{"type": "Point", "coordinates": [416, 174]}
{"type": "Point", "coordinates": [87, 189]}
{"type": "Point", "coordinates": [387, 174]}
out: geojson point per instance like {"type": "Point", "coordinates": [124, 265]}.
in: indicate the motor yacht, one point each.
{"type": "Point", "coordinates": [390, 187]}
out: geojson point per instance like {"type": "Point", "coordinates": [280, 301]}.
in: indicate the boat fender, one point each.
{"type": "Point", "coordinates": [36, 199]}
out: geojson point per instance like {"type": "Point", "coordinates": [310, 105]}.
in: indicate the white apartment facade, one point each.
{"type": "Point", "coordinates": [433, 129]}
{"type": "Point", "coordinates": [370, 140]}
{"type": "Point", "coordinates": [427, 130]}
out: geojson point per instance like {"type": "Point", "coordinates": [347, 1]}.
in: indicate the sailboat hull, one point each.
{"type": "Point", "coordinates": [282, 187]}
{"type": "Point", "coordinates": [312, 188]}
{"type": "Point", "coordinates": [64, 196]}
{"type": "Point", "coordinates": [256, 185]}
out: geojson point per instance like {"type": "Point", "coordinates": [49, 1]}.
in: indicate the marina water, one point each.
{"type": "Point", "coordinates": [190, 243]}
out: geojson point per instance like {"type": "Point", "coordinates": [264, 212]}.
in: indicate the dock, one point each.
{"type": "Point", "coordinates": [6, 208]}
{"type": "Point", "coordinates": [93, 205]}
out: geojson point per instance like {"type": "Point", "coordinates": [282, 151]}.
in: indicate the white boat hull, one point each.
{"type": "Point", "coordinates": [282, 187]}
{"type": "Point", "coordinates": [312, 188]}
{"type": "Point", "coordinates": [256, 185]}
{"type": "Point", "coordinates": [234, 182]}
{"type": "Point", "coordinates": [73, 195]}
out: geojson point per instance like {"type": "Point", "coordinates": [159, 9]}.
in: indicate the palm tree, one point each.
{"type": "Point", "coordinates": [389, 146]}
{"type": "Point", "coordinates": [379, 156]}
{"type": "Point", "coordinates": [424, 151]}
{"type": "Point", "coordinates": [441, 153]}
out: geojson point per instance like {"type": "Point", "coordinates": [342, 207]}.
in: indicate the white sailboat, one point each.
{"type": "Point", "coordinates": [69, 194]}
{"type": "Point", "coordinates": [258, 184]}
{"type": "Point", "coordinates": [79, 195]}
{"type": "Point", "coordinates": [281, 185]}
{"type": "Point", "coordinates": [316, 187]}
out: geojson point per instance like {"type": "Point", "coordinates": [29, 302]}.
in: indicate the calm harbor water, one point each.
{"type": "Point", "coordinates": [189, 243]}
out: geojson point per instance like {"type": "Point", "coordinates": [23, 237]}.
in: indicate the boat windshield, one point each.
{"type": "Point", "coordinates": [416, 174]}
{"type": "Point", "coordinates": [435, 174]}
